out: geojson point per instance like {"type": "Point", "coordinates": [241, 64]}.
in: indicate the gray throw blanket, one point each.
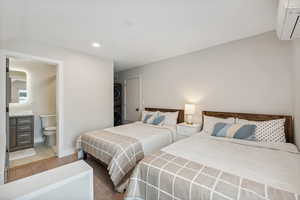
{"type": "Point", "coordinates": [162, 176]}
{"type": "Point", "coordinates": [120, 153]}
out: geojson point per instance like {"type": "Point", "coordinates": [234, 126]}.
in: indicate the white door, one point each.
{"type": "Point", "coordinates": [132, 100]}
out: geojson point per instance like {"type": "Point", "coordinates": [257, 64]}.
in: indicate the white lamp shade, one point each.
{"type": "Point", "coordinates": [189, 109]}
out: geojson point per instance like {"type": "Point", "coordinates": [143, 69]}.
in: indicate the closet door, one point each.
{"type": "Point", "coordinates": [132, 99]}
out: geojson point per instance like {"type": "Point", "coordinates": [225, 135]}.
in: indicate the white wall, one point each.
{"type": "Point", "coordinates": [41, 86]}
{"type": "Point", "coordinates": [296, 53]}
{"type": "Point", "coordinates": [250, 75]}
{"type": "Point", "coordinates": [2, 119]}
{"type": "Point", "coordinates": [88, 89]}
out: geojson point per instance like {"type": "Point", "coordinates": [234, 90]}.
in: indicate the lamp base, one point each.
{"type": "Point", "coordinates": [189, 120]}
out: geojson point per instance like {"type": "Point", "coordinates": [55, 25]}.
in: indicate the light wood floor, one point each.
{"type": "Point", "coordinates": [103, 187]}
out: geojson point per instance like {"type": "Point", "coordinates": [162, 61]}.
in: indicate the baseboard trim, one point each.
{"type": "Point", "coordinates": [66, 152]}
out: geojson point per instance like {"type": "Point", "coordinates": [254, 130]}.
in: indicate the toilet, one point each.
{"type": "Point", "coordinates": [48, 123]}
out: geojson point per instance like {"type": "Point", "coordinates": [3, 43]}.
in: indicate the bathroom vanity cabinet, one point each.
{"type": "Point", "coordinates": [21, 132]}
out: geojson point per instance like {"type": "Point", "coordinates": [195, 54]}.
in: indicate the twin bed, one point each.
{"type": "Point", "coordinates": [121, 148]}
{"type": "Point", "coordinates": [207, 167]}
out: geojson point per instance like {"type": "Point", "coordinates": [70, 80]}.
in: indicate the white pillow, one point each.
{"type": "Point", "coordinates": [170, 117]}
{"type": "Point", "coordinates": [210, 122]}
{"type": "Point", "coordinates": [145, 113]}
{"type": "Point", "coordinates": [271, 131]}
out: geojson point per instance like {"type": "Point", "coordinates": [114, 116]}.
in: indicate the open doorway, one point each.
{"type": "Point", "coordinates": [54, 120]}
{"type": "Point", "coordinates": [31, 94]}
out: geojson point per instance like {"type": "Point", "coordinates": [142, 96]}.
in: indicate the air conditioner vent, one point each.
{"type": "Point", "coordinates": [296, 30]}
{"type": "Point", "coordinates": [288, 22]}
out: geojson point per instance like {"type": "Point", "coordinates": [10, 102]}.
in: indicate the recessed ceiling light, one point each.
{"type": "Point", "coordinates": [95, 44]}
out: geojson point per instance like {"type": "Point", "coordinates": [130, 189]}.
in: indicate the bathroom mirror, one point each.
{"type": "Point", "coordinates": [19, 92]}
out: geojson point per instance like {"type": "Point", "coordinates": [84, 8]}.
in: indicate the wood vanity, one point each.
{"type": "Point", "coordinates": [21, 132]}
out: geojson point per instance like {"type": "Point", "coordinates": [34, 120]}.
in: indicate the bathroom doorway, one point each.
{"type": "Point", "coordinates": [32, 110]}
{"type": "Point", "coordinates": [34, 114]}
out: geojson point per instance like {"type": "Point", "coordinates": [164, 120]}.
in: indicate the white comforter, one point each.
{"type": "Point", "coordinates": [274, 164]}
{"type": "Point", "coordinates": [152, 137]}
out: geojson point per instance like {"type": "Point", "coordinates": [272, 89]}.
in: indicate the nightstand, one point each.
{"type": "Point", "coordinates": [185, 130]}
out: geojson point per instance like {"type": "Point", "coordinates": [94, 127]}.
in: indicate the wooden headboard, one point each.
{"type": "Point", "coordinates": [180, 112]}
{"type": "Point", "coordinates": [288, 127]}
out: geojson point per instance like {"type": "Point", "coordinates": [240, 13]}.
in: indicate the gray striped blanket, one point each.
{"type": "Point", "coordinates": [120, 153]}
{"type": "Point", "coordinates": [162, 176]}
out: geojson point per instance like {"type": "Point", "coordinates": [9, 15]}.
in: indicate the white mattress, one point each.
{"type": "Point", "coordinates": [274, 164]}
{"type": "Point", "coordinates": [152, 137]}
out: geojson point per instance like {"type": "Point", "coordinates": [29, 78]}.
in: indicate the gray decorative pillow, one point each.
{"type": "Point", "coordinates": [159, 120]}
{"type": "Point", "coordinates": [238, 131]}
{"type": "Point", "coordinates": [147, 117]}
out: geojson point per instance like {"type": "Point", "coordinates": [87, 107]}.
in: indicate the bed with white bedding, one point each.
{"type": "Point", "coordinates": [122, 147]}
{"type": "Point", "coordinates": [218, 168]}
{"type": "Point", "coordinates": [151, 137]}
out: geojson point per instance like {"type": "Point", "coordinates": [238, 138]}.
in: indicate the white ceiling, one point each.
{"type": "Point", "coordinates": [135, 32]}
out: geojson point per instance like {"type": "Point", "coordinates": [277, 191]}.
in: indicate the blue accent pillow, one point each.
{"type": "Point", "coordinates": [238, 131]}
{"type": "Point", "coordinates": [148, 116]}
{"type": "Point", "coordinates": [158, 120]}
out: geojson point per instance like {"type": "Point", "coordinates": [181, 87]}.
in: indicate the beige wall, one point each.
{"type": "Point", "coordinates": [88, 89]}
{"type": "Point", "coordinates": [296, 54]}
{"type": "Point", "coordinates": [250, 75]}
{"type": "Point", "coordinates": [41, 86]}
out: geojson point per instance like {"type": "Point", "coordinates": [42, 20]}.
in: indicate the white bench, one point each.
{"type": "Point", "coordinates": [72, 181]}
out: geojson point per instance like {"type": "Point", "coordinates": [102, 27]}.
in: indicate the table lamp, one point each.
{"type": "Point", "coordinates": [189, 110]}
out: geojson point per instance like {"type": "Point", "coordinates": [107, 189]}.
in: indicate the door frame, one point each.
{"type": "Point", "coordinates": [59, 93]}
{"type": "Point", "coordinates": [125, 94]}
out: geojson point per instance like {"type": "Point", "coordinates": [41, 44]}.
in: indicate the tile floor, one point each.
{"type": "Point", "coordinates": [42, 152]}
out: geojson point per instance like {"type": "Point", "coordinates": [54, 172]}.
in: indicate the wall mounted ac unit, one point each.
{"type": "Point", "coordinates": [288, 20]}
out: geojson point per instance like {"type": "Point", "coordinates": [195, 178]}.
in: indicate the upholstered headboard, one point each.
{"type": "Point", "coordinates": [289, 129]}
{"type": "Point", "coordinates": [180, 112]}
